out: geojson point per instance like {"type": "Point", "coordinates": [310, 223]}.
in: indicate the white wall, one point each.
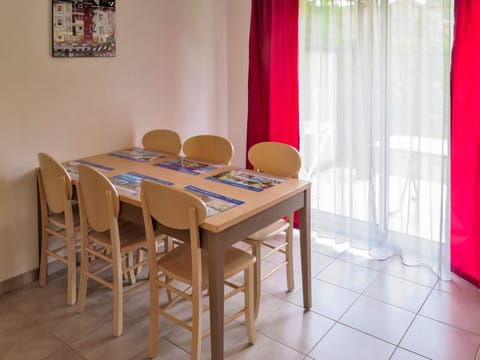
{"type": "Point", "coordinates": [173, 69]}
{"type": "Point", "coordinates": [238, 20]}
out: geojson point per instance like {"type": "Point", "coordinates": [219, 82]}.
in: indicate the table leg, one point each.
{"type": "Point", "coordinates": [305, 248]}
{"type": "Point", "coordinates": [216, 261]}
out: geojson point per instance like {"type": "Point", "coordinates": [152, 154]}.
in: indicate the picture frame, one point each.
{"type": "Point", "coordinates": [83, 28]}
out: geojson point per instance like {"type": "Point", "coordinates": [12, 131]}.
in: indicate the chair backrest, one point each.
{"type": "Point", "coordinates": [184, 211]}
{"type": "Point", "coordinates": [176, 215]}
{"type": "Point", "coordinates": [275, 158]}
{"type": "Point", "coordinates": [211, 148]}
{"type": "Point", "coordinates": [55, 183]}
{"type": "Point", "coordinates": [98, 198]}
{"type": "Point", "coordinates": [163, 140]}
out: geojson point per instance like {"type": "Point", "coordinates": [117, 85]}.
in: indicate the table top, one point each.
{"type": "Point", "coordinates": [253, 201]}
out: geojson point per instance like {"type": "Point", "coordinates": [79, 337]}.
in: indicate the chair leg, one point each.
{"type": "Point", "coordinates": [71, 272]}
{"type": "Point", "coordinates": [125, 275]}
{"type": "Point", "coordinates": [42, 279]}
{"type": "Point", "coordinates": [140, 258]}
{"type": "Point", "coordinates": [289, 257]}
{"type": "Point", "coordinates": [249, 305]}
{"type": "Point", "coordinates": [82, 291]}
{"type": "Point", "coordinates": [169, 293]}
{"type": "Point", "coordinates": [196, 322]}
{"type": "Point", "coordinates": [153, 323]}
{"type": "Point", "coordinates": [257, 276]}
{"type": "Point", "coordinates": [117, 296]}
{"type": "Point", "coordinates": [131, 273]}
{"type": "Point", "coordinates": [167, 244]}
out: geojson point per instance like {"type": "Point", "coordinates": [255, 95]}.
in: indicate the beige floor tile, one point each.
{"type": "Point", "coordinates": [454, 309]}
{"type": "Point", "coordinates": [137, 304]}
{"type": "Point", "coordinates": [33, 300]}
{"type": "Point", "coordinates": [292, 326]}
{"type": "Point", "coordinates": [327, 299]}
{"type": "Point", "coordinates": [35, 343]}
{"type": "Point", "coordinates": [439, 341]}
{"type": "Point", "coordinates": [101, 344]}
{"type": "Point", "coordinates": [166, 351]}
{"type": "Point", "coordinates": [395, 291]}
{"type": "Point", "coordinates": [238, 348]}
{"type": "Point", "coordinates": [12, 321]}
{"type": "Point", "coordinates": [402, 354]}
{"type": "Point", "coordinates": [343, 342]}
{"type": "Point", "coordinates": [51, 316]}
{"type": "Point", "coordinates": [417, 274]}
{"type": "Point", "coordinates": [347, 275]}
{"type": "Point", "coordinates": [379, 319]}
{"type": "Point", "coordinates": [76, 326]}
{"type": "Point", "coordinates": [14, 327]}
{"type": "Point", "coordinates": [65, 353]}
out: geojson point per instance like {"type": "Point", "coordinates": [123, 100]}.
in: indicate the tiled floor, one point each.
{"type": "Point", "coordinates": [362, 309]}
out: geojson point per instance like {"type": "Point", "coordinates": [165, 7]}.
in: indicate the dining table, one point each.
{"type": "Point", "coordinates": [242, 202]}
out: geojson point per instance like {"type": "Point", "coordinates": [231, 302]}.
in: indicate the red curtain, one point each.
{"type": "Point", "coordinates": [273, 73]}
{"type": "Point", "coordinates": [465, 149]}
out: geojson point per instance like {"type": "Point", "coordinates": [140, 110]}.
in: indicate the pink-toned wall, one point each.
{"type": "Point", "coordinates": [180, 64]}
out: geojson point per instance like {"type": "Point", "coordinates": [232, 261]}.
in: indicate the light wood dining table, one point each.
{"type": "Point", "coordinates": [220, 231]}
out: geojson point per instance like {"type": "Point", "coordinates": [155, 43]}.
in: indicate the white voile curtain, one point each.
{"type": "Point", "coordinates": [374, 124]}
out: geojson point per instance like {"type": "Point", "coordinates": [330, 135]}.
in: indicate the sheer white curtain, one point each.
{"type": "Point", "coordinates": [374, 124]}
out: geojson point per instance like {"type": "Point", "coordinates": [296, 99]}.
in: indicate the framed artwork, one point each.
{"type": "Point", "coordinates": [83, 28]}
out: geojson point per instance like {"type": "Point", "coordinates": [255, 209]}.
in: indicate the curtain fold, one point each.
{"type": "Point", "coordinates": [465, 168]}
{"type": "Point", "coordinates": [374, 125]}
{"type": "Point", "coordinates": [273, 73]}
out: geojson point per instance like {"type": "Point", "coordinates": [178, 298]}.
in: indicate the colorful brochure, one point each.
{"type": "Point", "coordinates": [187, 166]}
{"type": "Point", "coordinates": [216, 203]}
{"type": "Point", "coordinates": [130, 182]}
{"type": "Point", "coordinates": [138, 154]}
{"type": "Point", "coordinates": [250, 180]}
{"type": "Point", "coordinates": [72, 167]}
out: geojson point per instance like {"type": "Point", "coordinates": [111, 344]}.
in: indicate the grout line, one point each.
{"type": "Point", "coordinates": [66, 344]}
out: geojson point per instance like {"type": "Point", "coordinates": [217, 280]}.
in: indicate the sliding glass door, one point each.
{"type": "Point", "coordinates": [374, 124]}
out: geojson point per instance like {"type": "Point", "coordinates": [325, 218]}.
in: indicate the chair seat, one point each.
{"type": "Point", "coordinates": [178, 263]}
{"type": "Point", "coordinates": [269, 231]}
{"type": "Point", "coordinates": [132, 236]}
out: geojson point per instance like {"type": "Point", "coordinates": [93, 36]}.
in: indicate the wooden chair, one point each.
{"type": "Point", "coordinates": [59, 219]}
{"type": "Point", "coordinates": [211, 148]}
{"type": "Point", "coordinates": [167, 141]}
{"type": "Point", "coordinates": [162, 140]}
{"type": "Point", "coordinates": [280, 160]}
{"type": "Point", "coordinates": [187, 263]}
{"type": "Point", "coordinates": [107, 242]}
